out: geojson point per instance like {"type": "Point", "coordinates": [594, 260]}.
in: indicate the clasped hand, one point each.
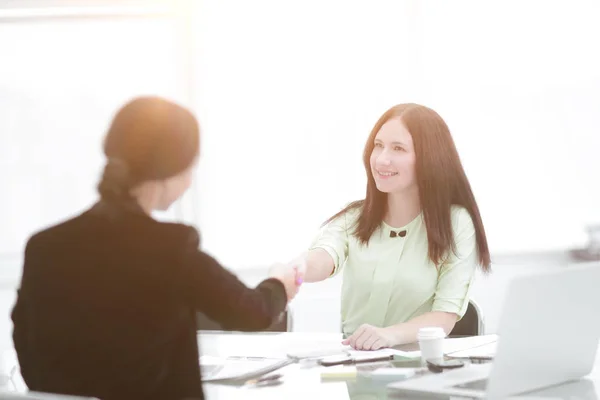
{"type": "Point", "coordinates": [291, 275]}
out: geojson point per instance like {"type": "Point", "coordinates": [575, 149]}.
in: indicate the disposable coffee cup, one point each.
{"type": "Point", "coordinates": [431, 344]}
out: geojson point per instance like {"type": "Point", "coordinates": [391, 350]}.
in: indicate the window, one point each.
{"type": "Point", "coordinates": [64, 73]}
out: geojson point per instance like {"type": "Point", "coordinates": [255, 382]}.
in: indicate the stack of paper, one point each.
{"type": "Point", "coordinates": [476, 345]}
{"type": "Point", "coordinates": [227, 369]}
{"type": "Point", "coordinates": [358, 354]}
{"type": "Point", "coordinates": [318, 351]}
{"type": "Point", "coordinates": [473, 346]}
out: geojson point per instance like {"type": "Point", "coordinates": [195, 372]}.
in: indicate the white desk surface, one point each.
{"type": "Point", "coordinates": [301, 382]}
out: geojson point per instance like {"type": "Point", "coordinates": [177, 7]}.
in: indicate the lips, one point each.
{"type": "Point", "coordinates": [385, 174]}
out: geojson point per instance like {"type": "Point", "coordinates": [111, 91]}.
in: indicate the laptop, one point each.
{"type": "Point", "coordinates": [548, 335]}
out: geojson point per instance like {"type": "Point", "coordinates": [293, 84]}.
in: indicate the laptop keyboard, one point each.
{"type": "Point", "coordinates": [476, 385]}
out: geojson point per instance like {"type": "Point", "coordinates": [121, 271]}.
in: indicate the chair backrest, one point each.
{"type": "Point", "coordinates": [471, 324]}
{"type": "Point", "coordinates": [283, 324]}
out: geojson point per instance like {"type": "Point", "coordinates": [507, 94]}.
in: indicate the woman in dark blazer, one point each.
{"type": "Point", "coordinates": [107, 301]}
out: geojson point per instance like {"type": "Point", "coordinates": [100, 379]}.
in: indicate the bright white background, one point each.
{"type": "Point", "coordinates": [286, 94]}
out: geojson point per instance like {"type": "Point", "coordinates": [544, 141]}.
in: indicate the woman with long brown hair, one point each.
{"type": "Point", "coordinates": [410, 248]}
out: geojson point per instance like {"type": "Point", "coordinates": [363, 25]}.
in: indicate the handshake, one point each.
{"type": "Point", "coordinates": [290, 274]}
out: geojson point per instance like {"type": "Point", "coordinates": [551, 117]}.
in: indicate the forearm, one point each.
{"type": "Point", "coordinates": [406, 332]}
{"type": "Point", "coordinates": [319, 265]}
{"type": "Point", "coordinates": [221, 296]}
{"type": "Point", "coordinates": [258, 308]}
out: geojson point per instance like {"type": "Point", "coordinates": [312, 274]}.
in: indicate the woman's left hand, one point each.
{"type": "Point", "coordinates": [369, 337]}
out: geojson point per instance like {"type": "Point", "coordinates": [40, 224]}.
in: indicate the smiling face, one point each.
{"type": "Point", "coordinates": [393, 158]}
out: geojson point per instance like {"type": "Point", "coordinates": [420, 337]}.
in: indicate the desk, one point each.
{"type": "Point", "coordinates": [305, 383]}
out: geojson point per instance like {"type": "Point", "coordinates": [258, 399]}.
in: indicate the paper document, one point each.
{"type": "Point", "coordinates": [473, 346]}
{"type": "Point", "coordinates": [317, 351]}
{"type": "Point", "coordinates": [487, 350]}
{"type": "Point", "coordinates": [227, 369]}
{"type": "Point", "coordinates": [349, 351]}
{"type": "Point", "coordinates": [451, 347]}
{"type": "Point", "coordinates": [360, 354]}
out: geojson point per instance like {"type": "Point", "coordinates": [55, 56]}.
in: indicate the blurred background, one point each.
{"type": "Point", "coordinates": [286, 94]}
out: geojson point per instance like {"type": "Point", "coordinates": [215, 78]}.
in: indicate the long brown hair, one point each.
{"type": "Point", "coordinates": [441, 181]}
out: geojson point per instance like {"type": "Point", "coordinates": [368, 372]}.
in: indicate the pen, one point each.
{"type": "Point", "coordinates": [350, 361]}
{"type": "Point", "coordinates": [268, 383]}
{"type": "Point", "coordinates": [480, 359]}
{"type": "Point", "coordinates": [267, 380]}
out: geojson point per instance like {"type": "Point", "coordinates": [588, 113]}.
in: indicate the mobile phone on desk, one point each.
{"type": "Point", "coordinates": [441, 365]}
{"type": "Point", "coordinates": [335, 360]}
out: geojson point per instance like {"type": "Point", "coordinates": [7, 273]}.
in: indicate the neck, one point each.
{"type": "Point", "coordinates": [146, 197]}
{"type": "Point", "coordinates": [402, 208]}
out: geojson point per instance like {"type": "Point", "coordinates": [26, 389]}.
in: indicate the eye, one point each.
{"type": "Point", "coordinates": [378, 144]}
{"type": "Point", "coordinates": [399, 148]}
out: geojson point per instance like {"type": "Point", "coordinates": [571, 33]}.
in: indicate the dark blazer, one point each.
{"type": "Point", "coordinates": [107, 304]}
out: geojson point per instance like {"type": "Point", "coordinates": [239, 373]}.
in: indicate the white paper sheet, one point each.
{"type": "Point", "coordinates": [488, 350]}
{"type": "Point", "coordinates": [334, 348]}
{"type": "Point", "coordinates": [472, 346]}
{"type": "Point", "coordinates": [218, 368]}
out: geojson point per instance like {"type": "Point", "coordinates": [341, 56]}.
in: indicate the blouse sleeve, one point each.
{"type": "Point", "coordinates": [333, 238]}
{"type": "Point", "coordinates": [457, 273]}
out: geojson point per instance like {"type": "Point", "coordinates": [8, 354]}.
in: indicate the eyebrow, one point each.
{"type": "Point", "coordinates": [396, 143]}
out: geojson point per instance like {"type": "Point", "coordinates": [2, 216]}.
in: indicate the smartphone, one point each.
{"type": "Point", "coordinates": [335, 360]}
{"type": "Point", "coordinates": [439, 366]}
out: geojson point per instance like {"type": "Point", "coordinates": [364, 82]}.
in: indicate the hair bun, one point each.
{"type": "Point", "coordinates": [116, 180]}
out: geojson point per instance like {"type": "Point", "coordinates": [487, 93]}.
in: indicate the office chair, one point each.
{"type": "Point", "coordinates": [283, 324]}
{"type": "Point", "coordinates": [471, 324]}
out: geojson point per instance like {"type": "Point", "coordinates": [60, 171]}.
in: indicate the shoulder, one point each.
{"type": "Point", "coordinates": [463, 228]}
{"type": "Point", "coordinates": [350, 213]}
{"type": "Point", "coordinates": [88, 227]}
{"type": "Point", "coordinates": [461, 219]}
{"type": "Point", "coordinates": [51, 234]}
{"type": "Point", "coordinates": [164, 236]}
{"type": "Point", "coordinates": [353, 214]}
{"type": "Point", "coordinates": [185, 236]}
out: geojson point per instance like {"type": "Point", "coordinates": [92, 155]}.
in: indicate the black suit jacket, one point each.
{"type": "Point", "coordinates": [107, 304]}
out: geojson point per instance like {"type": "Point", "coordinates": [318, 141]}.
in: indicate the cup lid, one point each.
{"type": "Point", "coordinates": [431, 332]}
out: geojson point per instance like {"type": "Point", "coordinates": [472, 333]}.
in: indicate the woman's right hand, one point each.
{"type": "Point", "coordinates": [290, 275]}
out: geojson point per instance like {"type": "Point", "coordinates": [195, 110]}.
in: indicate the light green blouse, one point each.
{"type": "Point", "coordinates": [392, 279]}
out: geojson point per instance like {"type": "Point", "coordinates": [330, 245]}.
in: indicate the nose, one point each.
{"type": "Point", "coordinates": [383, 159]}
